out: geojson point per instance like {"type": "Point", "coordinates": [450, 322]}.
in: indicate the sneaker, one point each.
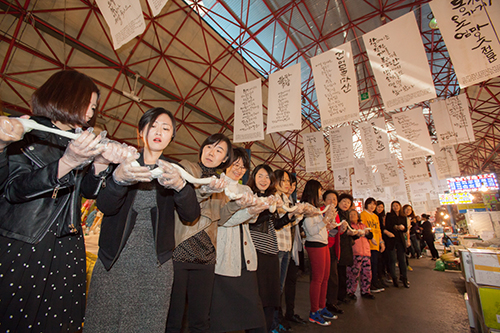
{"type": "Point", "coordinates": [295, 319]}
{"type": "Point", "coordinates": [409, 268]}
{"type": "Point", "coordinates": [334, 309]}
{"type": "Point", "coordinates": [327, 314]}
{"type": "Point", "coordinates": [315, 317]}
{"type": "Point", "coordinates": [368, 295]}
{"type": "Point", "coordinates": [375, 289]}
{"type": "Point", "coordinates": [282, 328]}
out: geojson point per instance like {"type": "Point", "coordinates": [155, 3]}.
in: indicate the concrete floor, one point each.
{"type": "Point", "coordinates": [433, 304]}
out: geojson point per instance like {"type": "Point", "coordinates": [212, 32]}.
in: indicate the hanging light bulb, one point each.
{"type": "Point", "coordinates": [433, 24]}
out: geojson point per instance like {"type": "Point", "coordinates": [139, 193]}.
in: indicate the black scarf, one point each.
{"type": "Point", "coordinates": [207, 172]}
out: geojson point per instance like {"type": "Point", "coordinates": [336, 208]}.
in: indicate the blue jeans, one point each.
{"type": "Point", "coordinates": [284, 258]}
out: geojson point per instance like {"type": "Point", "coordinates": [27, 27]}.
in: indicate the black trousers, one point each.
{"type": "Point", "coordinates": [193, 285]}
{"type": "Point", "coordinates": [399, 254]}
{"type": "Point", "coordinates": [432, 248]}
{"type": "Point", "coordinates": [333, 280]}
{"type": "Point", "coordinates": [374, 261]}
{"type": "Point", "coordinates": [290, 288]}
{"type": "Point", "coordinates": [342, 273]}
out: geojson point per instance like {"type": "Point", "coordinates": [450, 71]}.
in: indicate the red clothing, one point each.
{"type": "Point", "coordinates": [361, 245]}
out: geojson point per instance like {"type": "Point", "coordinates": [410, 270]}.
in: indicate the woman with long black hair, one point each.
{"type": "Point", "coordinates": [395, 229]}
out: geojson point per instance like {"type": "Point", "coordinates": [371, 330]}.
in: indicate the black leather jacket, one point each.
{"type": "Point", "coordinates": [266, 217]}
{"type": "Point", "coordinates": [34, 198]}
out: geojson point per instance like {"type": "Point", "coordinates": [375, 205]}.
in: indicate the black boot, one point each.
{"type": "Point", "coordinates": [406, 283]}
{"type": "Point", "coordinates": [395, 283]}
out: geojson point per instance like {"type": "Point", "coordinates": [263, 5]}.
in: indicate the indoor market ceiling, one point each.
{"type": "Point", "coordinates": [193, 54]}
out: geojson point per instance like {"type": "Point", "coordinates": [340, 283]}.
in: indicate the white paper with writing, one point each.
{"type": "Point", "coordinates": [341, 180]}
{"type": "Point", "coordinates": [441, 185]}
{"type": "Point", "coordinates": [375, 141]}
{"type": "Point", "coordinates": [446, 162]}
{"type": "Point", "coordinates": [248, 118]}
{"type": "Point", "coordinates": [314, 152]}
{"type": "Point", "coordinates": [359, 191]}
{"type": "Point", "coordinates": [416, 170]}
{"type": "Point", "coordinates": [156, 6]}
{"type": "Point", "coordinates": [419, 190]}
{"type": "Point", "coordinates": [124, 18]}
{"type": "Point", "coordinates": [397, 57]}
{"type": "Point", "coordinates": [399, 192]}
{"type": "Point", "coordinates": [364, 175]}
{"type": "Point", "coordinates": [452, 120]}
{"type": "Point", "coordinates": [341, 148]}
{"type": "Point", "coordinates": [388, 173]}
{"type": "Point", "coordinates": [413, 134]}
{"type": "Point", "coordinates": [468, 29]}
{"type": "Point", "coordinates": [284, 104]}
{"type": "Point", "coordinates": [336, 85]}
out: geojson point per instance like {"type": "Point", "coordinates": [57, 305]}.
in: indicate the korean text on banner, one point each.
{"type": "Point", "coordinates": [124, 18]}
{"type": "Point", "coordinates": [314, 152]}
{"type": "Point", "coordinates": [336, 85]}
{"type": "Point", "coordinates": [375, 141]}
{"type": "Point", "coordinates": [397, 57]}
{"type": "Point", "coordinates": [248, 118]}
{"type": "Point", "coordinates": [470, 31]}
{"type": "Point", "coordinates": [388, 173]}
{"type": "Point", "coordinates": [341, 180]}
{"type": "Point", "coordinates": [341, 148]}
{"type": "Point", "coordinates": [412, 133]}
{"type": "Point", "coordinates": [416, 170]}
{"type": "Point", "coordinates": [446, 162]}
{"type": "Point", "coordinates": [284, 104]}
{"type": "Point", "coordinates": [364, 175]}
{"type": "Point", "coordinates": [452, 121]}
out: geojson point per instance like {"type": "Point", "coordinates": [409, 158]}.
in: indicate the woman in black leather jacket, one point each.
{"type": "Point", "coordinates": [42, 251]}
{"type": "Point", "coordinates": [263, 182]}
{"type": "Point", "coordinates": [396, 228]}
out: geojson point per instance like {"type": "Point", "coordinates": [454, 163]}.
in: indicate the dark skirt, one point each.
{"type": "Point", "coordinates": [42, 286]}
{"type": "Point", "coordinates": [236, 303]}
{"type": "Point", "coordinates": [268, 278]}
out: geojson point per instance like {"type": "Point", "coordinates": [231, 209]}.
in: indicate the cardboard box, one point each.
{"type": "Point", "coordinates": [486, 266]}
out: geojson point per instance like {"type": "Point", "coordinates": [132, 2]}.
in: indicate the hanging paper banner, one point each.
{"type": "Point", "coordinates": [399, 62]}
{"type": "Point", "coordinates": [156, 6]}
{"type": "Point", "coordinates": [364, 175]}
{"type": "Point", "coordinates": [359, 191]}
{"type": "Point", "coordinates": [341, 148]}
{"type": "Point", "coordinates": [446, 162]}
{"type": "Point", "coordinates": [380, 191]}
{"type": "Point", "coordinates": [419, 190]}
{"type": "Point", "coordinates": [375, 141]}
{"type": "Point", "coordinates": [470, 31]}
{"type": "Point", "coordinates": [452, 121]}
{"type": "Point", "coordinates": [413, 134]}
{"type": "Point", "coordinates": [416, 170]}
{"type": "Point", "coordinates": [399, 192]}
{"type": "Point", "coordinates": [388, 173]}
{"type": "Point", "coordinates": [441, 185]}
{"type": "Point", "coordinates": [124, 18]}
{"type": "Point", "coordinates": [284, 105]}
{"type": "Point", "coordinates": [314, 152]}
{"type": "Point", "coordinates": [341, 180]}
{"type": "Point", "coordinates": [248, 118]}
{"type": "Point", "coordinates": [336, 85]}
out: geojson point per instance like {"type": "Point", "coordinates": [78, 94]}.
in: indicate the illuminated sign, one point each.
{"type": "Point", "coordinates": [484, 182]}
{"type": "Point", "coordinates": [455, 198]}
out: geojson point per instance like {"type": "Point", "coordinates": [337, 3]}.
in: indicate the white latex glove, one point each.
{"type": "Point", "coordinates": [11, 130]}
{"type": "Point", "coordinates": [217, 185]}
{"type": "Point", "coordinates": [114, 152]}
{"type": "Point", "coordinates": [171, 178]}
{"type": "Point", "coordinates": [83, 150]}
{"type": "Point", "coordinates": [127, 174]}
{"type": "Point", "coordinates": [258, 207]}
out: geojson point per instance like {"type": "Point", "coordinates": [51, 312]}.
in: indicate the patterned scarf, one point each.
{"type": "Point", "coordinates": [207, 172]}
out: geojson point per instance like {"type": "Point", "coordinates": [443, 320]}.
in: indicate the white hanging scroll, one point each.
{"type": "Point", "coordinates": [380, 191]}
{"type": "Point", "coordinates": [399, 192]}
{"type": "Point", "coordinates": [314, 152]}
{"type": "Point", "coordinates": [359, 191]}
{"type": "Point", "coordinates": [452, 121]}
{"type": "Point", "coordinates": [156, 6]}
{"type": "Point", "coordinates": [441, 185]}
{"type": "Point", "coordinates": [399, 63]}
{"type": "Point", "coordinates": [418, 191]}
{"type": "Point", "coordinates": [388, 173]}
{"type": "Point", "coordinates": [336, 85]}
{"type": "Point", "coordinates": [413, 134]}
{"type": "Point", "coordinates": [248, 119]}
{"type": "Point", "coordinates": [284, 105]}
{"type": "Point", "coordinates": [364, 175]}
{"type": "Point", "coordinates": [446, 162]}
{"type": "Point", "coordinates": [470, 30]}
{"type": "Point", "coordinates": [341, 148]}
{"type": "Point", "coordinates": [341, 180]}
{"type": "Point", "coordinates": [375, 141]}
{"type": "Point", "coordinates": [124, 18]}
{"type": "Point", "coordinates": [416, 170]}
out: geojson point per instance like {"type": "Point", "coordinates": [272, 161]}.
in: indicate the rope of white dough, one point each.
{"type": "Point", "coordinates": [335, 225]}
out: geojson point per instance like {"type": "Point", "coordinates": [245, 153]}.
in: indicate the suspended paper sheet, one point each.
{"type": "Point", "coordinates": [341, 180]}
{"type": "Point", "coordinates": [399, 193]}
{"type": "Point", "coordinates": [156, 6]}
{"type": "Point", "coordinates": [446, 162]}
{"type": "Point", "coordinates": [357, 191]}
{"type": "Point", "coordinates": [364, 175]}
{"type": "Point", "coordinates": [399, 63]}
{"type": "Point", "coordinates": [341, 148]}
{"type": "Point", "coordinates": [468, 29]}
{"type": "Point", "coordinates": [412, 134]}
{"type": "Point", "coordinates": [452, 121]}
{"type": "Point", "coordinates": [419, 191]}
{"type": "Point", "coordinates": [314, 152]}
{"type": "Point", "coordinates": [416, 170]}
{"type": "Point", "coordinates": [336, 85]}
{"type": "Point", "coordinates": [375, 141]}
{"type": "Point", "coordinates": [380, 191]}
{"type": "Point", "coordinates": [124, 18]}
{"type": "Point", "coordinates": [284, 105]}
{"type": "Point", "coordinates": [248, 119]}
{"type": "Point", "coordinates": [388, 173]}
{"type": "Point", "coordinates": [441, 185]}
